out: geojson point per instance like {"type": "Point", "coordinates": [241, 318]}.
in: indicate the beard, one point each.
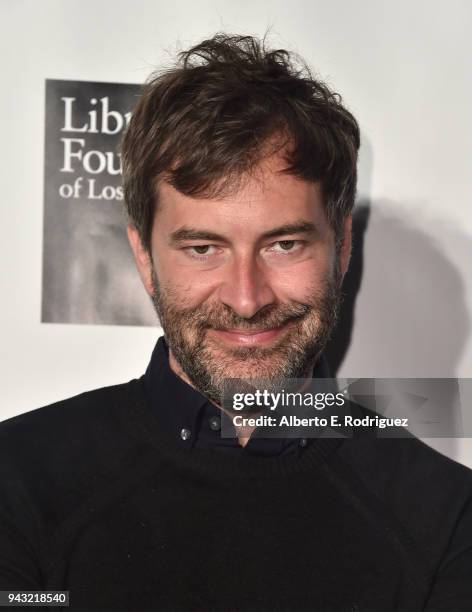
{"type": "Point", "coordinates": [209, 365]}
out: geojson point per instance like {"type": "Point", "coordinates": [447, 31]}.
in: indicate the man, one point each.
{"type": "Point", "coordinates": [239, 173]}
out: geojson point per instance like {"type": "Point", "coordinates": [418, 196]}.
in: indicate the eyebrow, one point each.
{"type": "Point", "coordinates": [189, 233]}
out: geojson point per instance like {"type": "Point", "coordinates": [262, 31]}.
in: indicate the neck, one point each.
{"type": "Point", "coordinates": [243, 433]}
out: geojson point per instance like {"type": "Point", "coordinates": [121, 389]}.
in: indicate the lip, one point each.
{"type": "Point", "coordinates": [250, 337]}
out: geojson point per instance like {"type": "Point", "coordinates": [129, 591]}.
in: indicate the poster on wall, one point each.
{"type": "Point", "coordinates": [89, 274]}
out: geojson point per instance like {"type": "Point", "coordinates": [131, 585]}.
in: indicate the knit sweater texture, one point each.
{"type": "Point", "coordinates": [96, 499]}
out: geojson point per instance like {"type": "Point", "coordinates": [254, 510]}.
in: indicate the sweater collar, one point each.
{"type": "Point", "coordinates": [192, 420]}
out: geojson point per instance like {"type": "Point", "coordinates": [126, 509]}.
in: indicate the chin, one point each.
{"type": "Point", "coordinates": [262, 366]}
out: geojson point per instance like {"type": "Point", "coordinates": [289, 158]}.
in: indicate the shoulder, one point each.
{"type": "Point", "coordinates": [69, 418]}
{"type": "Point", "coordinates": [403, 466]}
{"type": "Point", "coordinates": [426, 494]}
{"type": "Point", "coordinates": [56, 458]}
{"type": "Point", "coordinates": [69, 442]}
{"type": "Point", "coordinates": [406, 462]}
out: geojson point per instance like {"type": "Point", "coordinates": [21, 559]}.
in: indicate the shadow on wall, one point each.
{"type": "Point", "coordinates": [337, 348]}
{"type": "Point", "coordinates": [410, 319]}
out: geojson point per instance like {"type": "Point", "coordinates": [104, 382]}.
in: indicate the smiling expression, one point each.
{"type": "Point", "coordinates": [247, 285]}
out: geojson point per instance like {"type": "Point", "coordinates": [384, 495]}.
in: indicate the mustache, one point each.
{"type": "Point", "coordinates": [223, 317]}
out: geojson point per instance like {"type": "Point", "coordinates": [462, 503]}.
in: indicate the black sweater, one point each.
{"type": "Point", "coordinates": [97, 499]}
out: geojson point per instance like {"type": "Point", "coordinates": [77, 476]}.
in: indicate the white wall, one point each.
{"type": "Point", "coordinates": [403, 69]}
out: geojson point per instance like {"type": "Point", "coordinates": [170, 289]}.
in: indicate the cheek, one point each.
{"type": "Point", "coordinates": [185, 288]}
{"type": "Point", "coordinates": [300, 281]}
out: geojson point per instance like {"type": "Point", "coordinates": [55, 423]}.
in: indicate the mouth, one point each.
{"type": "Point", "coordinates": [240, 337]}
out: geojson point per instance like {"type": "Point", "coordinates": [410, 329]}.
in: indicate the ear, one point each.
{"type": "Point", "coordinates": [345, 250]}
{"type": "Point", "coordinates": [141, 256]}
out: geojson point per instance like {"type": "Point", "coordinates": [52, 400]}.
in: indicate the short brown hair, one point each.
{"type": "Point", "coordinates": [207, 121]}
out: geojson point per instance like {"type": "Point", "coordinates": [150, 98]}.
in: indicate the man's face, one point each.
{"type": "Point", "coordinates": [247, 286]}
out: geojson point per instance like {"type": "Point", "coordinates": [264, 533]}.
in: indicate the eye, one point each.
{"type": "Point", "coordinates": [287, 246]}
{"type": "Point", "coordinates": [201, 251]}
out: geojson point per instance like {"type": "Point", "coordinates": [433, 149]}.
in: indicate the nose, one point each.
{"type": "Point", "coordinates": [246, 288]}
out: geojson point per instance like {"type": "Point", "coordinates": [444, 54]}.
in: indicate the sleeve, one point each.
{"type": "Point", "coordinates": [452, 587]}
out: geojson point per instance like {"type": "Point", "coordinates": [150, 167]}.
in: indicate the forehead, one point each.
{"type": "Point", "coordinates": [264, 198]}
